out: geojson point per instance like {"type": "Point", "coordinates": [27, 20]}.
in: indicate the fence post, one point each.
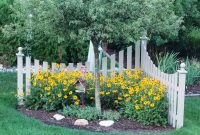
{"type": "Point", "coordinates": [28, 75]}
{"type": "Point", "coordinates": [20, 93]}
{"type": "Point", "coordinates": [137, 54]}
{"type": "Point", "coordinates": [143, 42]}
{"type": "Point", "coordinates": [181, 95]}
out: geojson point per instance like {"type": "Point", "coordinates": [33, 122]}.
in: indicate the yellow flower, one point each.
{"type": "Point", "coordinates": [57, 65]}
{"type": "Point", "coordinates": [34, 83]}
{"type": "Point", "coordinates": [107, 93]}
{"type": "Point", "coordinates": [115, 91]}
{"type": "Point", "coordinates": [65, 97]}
{"type": "Point", "coordinates": [137, 107]}
{"type": "Point", "coordinates": [91, 98]}
{"type": "Point", "coordinates": [119, 98]}
{"type": "Point", "coordinates": [65, 89]}
{"type": "Point", "coordinates": [101, 92]}
{"type": "Point", "coordinates": [75, 97]}
{"type": "Point", "coordinates": [108, 85]}
{"type": "Point", "coordinates": [126, 95]}
{"type": "Point", "coordinates": [70, 92]}
{"type": "Point", "coordinates": [64, 82]}
{"type": "Point", "coordinates": [49, 93]}
{"type": "Point", "coordinates": [40, 95]}
{"type": "Point", "coordinates": [152, 105]}
{"type": "Point", "coordinates": [123, 87]}
{"type": "Point", "coordinates": [131, 91]}
{"type": "Point", "coordinates": [59, 95]}
{"type": "Point", "coordinates": [76, 103]}
{"type": "Point", "coordinates": [116, 102]}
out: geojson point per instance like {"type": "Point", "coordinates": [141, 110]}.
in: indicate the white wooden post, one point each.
{"type": "Point", "coordinates": [112, 65]}
{"type": "Point", "coordinates": [143, 42]}
{"type": "Point", "coordinates": [62, 66]}
{"type": "Point", "coordinates": [129, 57]}
{"type": "Point", "coordinates": [181, 95]}
{"type": "Point", "coordinates": [36, 66]}
{"type": "Point", "coordinates": [28, 75]}
{"type": "Point", "coordinates": [78, 68]}
{"type": "Point", "coordinates": [20, 92]}
{"type": "Point", "coordinates": [137, 54]}
{"type": "Point", "coordinates": [71, 67]}
{"type": "Point", "coordinates": [104, 67]}
{"type": "Point", "coordinates": [53, 67]}
{"type": "Point", "coordinates": [45, 65]}
{"type": "Point", "coordinates": [121, 61]}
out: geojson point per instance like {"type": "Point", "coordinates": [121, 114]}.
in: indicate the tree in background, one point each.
{"type": "Point", "coordinates": [59, 25]}
{"type": "Point", "coordinates": [189, 36]}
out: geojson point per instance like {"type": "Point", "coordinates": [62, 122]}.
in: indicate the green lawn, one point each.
{"type": "Point", "coordinates": [13, 122]}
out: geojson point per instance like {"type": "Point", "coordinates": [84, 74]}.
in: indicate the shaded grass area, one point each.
{"type": "Point", "coordinates": [13, 122]}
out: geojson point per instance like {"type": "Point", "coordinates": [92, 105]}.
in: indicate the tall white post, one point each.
{"type": "Point", "coordinates": [181, 95]}
{"type": "Point", "coordinates": [28, 75]}
{"type": "Point", "coordinates": [143, 41]}
{"type": "Point", "coordinates": [137, 54]}
{"type": "Point", "coordinates": [20, 93]}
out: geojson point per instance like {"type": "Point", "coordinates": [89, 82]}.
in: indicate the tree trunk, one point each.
{"type": "Point", "coordinates": [97, 80]}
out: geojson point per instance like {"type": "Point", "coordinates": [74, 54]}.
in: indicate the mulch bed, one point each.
{"type": "Point", "coordinates": [122, 125]}
{"type": "Point", "coordinates": [194, 89]}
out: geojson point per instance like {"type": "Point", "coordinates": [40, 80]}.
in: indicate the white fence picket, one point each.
{"type": "Point", "coordinates": [104, 67]}
{"type": "Point", "coordinates": [129, 57]}
{"type": "Point", "coordinates": [36, 66]}
{"type": "Point", "coordinates": [45, 66]}
{"type": "Point", "coordinates": [53, 67]}
{"type": "Point", "coordinates": [62, 66]}
{"type": "Point", "coordinates": [121, 61]}
{"type": "Point", "coordinates": [78, 68]}
{"type": "Point", "coordinates": [137, 54]}
{"type": "Point", "coordinates": [28, 75]}
{"type": "Point", "coordinates": [112, 65]}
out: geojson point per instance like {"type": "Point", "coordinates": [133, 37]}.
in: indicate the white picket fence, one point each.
{"type": "Point", "coordinates": [175, 83]}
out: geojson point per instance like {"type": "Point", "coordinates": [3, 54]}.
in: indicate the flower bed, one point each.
{"type": "Point", "coordinates": [130, 93]}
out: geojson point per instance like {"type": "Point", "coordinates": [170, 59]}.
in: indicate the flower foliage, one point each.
{"type": "Point", "coordinates": [130, 92]}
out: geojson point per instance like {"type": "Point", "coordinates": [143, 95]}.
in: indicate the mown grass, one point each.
{"type": "Point", "coordinates": [13, 122]}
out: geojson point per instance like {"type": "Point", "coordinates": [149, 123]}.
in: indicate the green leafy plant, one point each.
{"type": "Point", "coordinates": [150, 115]}
{"type": "Point", "coordinates": [89, 113]}
{"type": "Point", "coordinates": [111, 115]}
{"type": "Point", "coordinates": [168, 62]}
{"type": "Point", "coordinates": [193, 71]}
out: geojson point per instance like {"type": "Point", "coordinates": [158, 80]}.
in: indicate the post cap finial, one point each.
{"type": "Point", "coordinates": [182, 68]}
{"type": "Point", "coordinates": [182, 65]}
{"type": "Point", "coordinates": [20, 51]}
{"type": "Point", "coordinates": [144, 36]}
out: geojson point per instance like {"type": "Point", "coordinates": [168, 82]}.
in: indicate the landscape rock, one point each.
{"type": "Point", "coordinates": [106, 123]}
{"type": "Point", "coordinates": [81, 122]}
{"type": "Point", "coordinates": [58, 117]}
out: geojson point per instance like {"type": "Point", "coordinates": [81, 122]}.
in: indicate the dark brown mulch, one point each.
{"type": "Point", "coordinates": [122, 125]}
{"type": "Point", "coordinates": [194, 89]}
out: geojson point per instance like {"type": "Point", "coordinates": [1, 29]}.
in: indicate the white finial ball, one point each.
{"type": "Point", "coordinates": [30, 15]}
{"type": "Point", "coordinates": [20, 49]}
{"type": "Point", "coordinates": [182, 65]}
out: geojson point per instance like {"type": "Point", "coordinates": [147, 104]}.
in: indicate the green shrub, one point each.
{"type": "Point", "coordinates": [111, 115]}
{"type": "Point", "coordinates": [89, 113]}
{"type": "Point", "coordinates": [168, 63]}
{"type": "Point", "coordinates": [193, 69]}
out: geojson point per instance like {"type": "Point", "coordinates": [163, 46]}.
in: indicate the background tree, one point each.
{"type": "Point", "coordinates": [59, 26]}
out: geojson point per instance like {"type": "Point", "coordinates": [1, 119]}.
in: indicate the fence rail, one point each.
{"type": "Point", "coordinates": [175, 83]}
